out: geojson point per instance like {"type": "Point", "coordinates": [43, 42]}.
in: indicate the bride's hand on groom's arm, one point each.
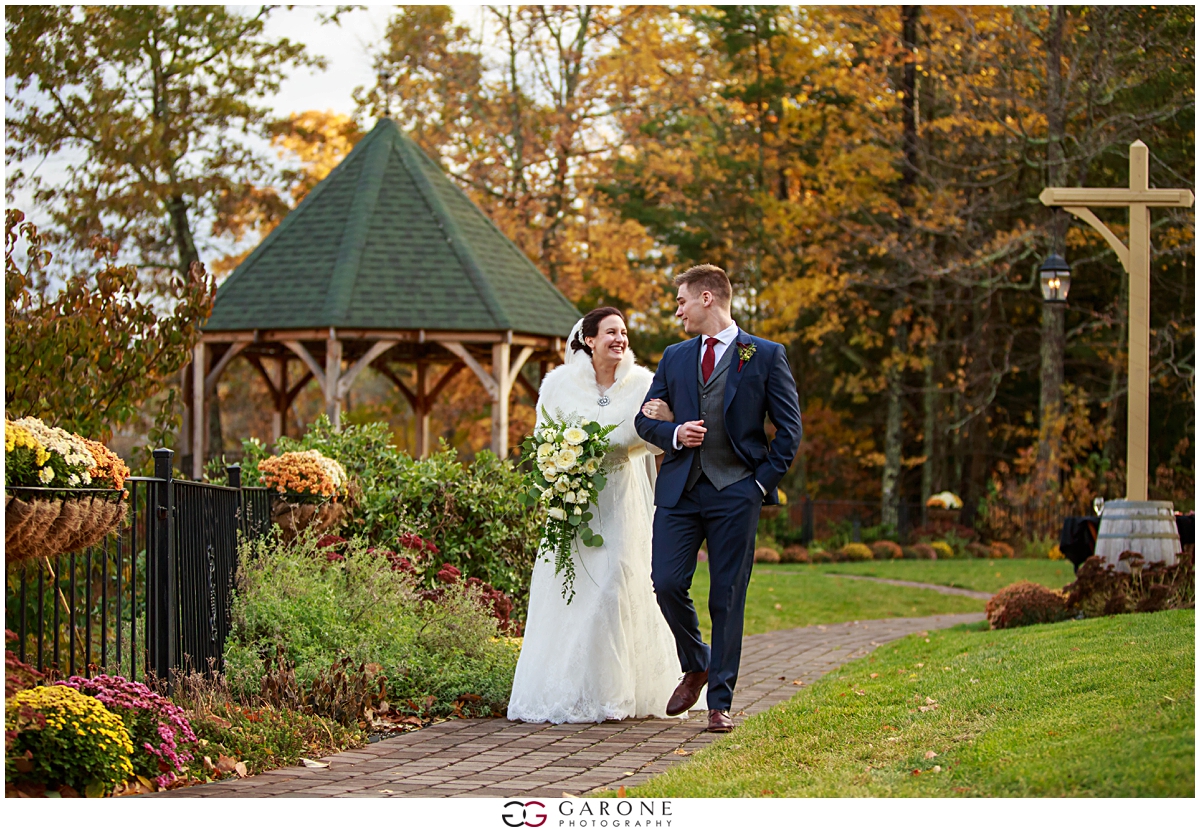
{"type": "Point", "coordinates": [658, 410]}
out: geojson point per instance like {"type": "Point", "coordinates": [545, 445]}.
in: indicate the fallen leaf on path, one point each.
{"type": "Point", "coordinates": [929, 755]}
{"type": "Point", "coordinates": [225, 765]}
{"type": "Point", "coordinates": [386, 791]}
{"type": "Point", "coordinates": [240, 769]}
{"type": "Point", "coordinates": [681, 752]}
{"type": "Point", "coordinates": [313, 764]}
{"type": "Point", "coordinates": [874, 676]}
{"type": "Point", "coordinates": [797, 681]}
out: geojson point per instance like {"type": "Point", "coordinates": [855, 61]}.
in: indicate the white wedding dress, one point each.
{"type": "Point", "coordinates": [608, 654]}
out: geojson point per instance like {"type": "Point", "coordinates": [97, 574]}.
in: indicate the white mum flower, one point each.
{"type": "Point", "coordinates": [574, 435]}
{"type": "Point", "coordinates": [557, 513]}
{"type": "Point", "coordinates": [45, 474]}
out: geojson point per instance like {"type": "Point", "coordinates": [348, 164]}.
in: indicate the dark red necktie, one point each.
{"type": "Point", "coordinates": [710, 358]}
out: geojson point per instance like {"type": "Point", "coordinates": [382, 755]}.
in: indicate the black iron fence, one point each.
{"type": "Point", "coordinates": [153, 598]}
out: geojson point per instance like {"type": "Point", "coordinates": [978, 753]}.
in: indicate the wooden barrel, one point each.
{"type": "Point", "coordinates": [1145, 527]}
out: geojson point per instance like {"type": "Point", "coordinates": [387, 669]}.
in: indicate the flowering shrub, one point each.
{"type": "Point", "coordinates": [160, 729]}
{"type": "Point", "coordinates": [998, 549]}
{"type": "Point", "coordinates": [110, 469]}
{"type": "Point", "coordinates": [857, 552]}
{"type": "Point", "coordinates": [39, 455]}
{"type": "Point", "coordinates": [794, 554]}
{"type": "Point", "coordinates": [921, 551]}
{"type": "Point", "coordinates": [885, 550]}
{"type": "Point", "coordinates": [942, 548]}
{"type": "Point", "coordinates": [1025, 603]}
{"type": "Point", "coordinates": [54, 735]}
{"type": "Point", "coordinates": [49, 456]}
{"type": "Point", "coordinates": [304, 473]}
{"type": "Point", "coordinates": [945, 500]}
{"type": "Point", "coordinates": [440, 644]}
{"type": "Point", "coordinates": [18, 675]}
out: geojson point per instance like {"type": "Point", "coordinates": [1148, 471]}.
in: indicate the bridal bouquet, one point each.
{"type": "Point", "coordinates": [568, 453]}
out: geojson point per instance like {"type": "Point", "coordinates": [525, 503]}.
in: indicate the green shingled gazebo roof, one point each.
{"type": "Point", "coordinates": [388, 242]}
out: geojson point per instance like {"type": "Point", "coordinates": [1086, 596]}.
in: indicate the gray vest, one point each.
{"type": "Point", "coordinates": [715, 457]}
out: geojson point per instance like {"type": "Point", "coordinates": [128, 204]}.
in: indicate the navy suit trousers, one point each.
{"type": "Point", "coordinates": [728, 520]}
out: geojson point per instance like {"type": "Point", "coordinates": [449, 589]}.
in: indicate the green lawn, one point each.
{"type": "Point", "coordinates": [1103, 707]}
{"type": "Point", "coordinates": [806, 596]}
{"type": "Point", "coordinates": [988, 575]}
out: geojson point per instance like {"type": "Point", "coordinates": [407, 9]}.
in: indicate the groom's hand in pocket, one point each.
{"type": "Point", "coordinates": [691, 434]}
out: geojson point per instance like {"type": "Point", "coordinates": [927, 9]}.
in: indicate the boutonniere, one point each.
{"type": "Point", "coordinates": [745, 352]}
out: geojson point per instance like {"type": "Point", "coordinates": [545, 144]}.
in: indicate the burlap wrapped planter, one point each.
{"type": "Point", "coordinates": [49, 527]}
{"type": "Point", "coordinates": [293, 519]}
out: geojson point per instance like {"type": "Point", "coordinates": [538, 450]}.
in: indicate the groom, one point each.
{"type": "Point", "coordinates": [717, 472]}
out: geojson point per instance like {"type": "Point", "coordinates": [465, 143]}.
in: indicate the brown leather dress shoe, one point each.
{"type": "Point", "coordinates": [686, 693]}
{"type": "Point", "coordinates": [719, 722]}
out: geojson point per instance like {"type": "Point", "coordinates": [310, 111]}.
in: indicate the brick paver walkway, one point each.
{"type": "Point", "coordinates": [940, 588]}
{"type": "Point", "coordinates": [498, 758]}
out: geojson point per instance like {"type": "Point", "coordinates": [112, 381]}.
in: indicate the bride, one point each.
{"type": "Point", "coordinates": [609, 653]}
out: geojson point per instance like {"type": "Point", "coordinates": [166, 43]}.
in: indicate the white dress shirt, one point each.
{"type": "Point", "coordinates": [724, 340]}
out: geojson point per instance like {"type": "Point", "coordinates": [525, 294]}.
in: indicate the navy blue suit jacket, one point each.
{"type": "Point", "coordinates": [762, 387]}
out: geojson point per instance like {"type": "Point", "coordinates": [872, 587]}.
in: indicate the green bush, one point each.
{"type": "Point", "coordinates": [55, 735]}
{"type": "Point", "coordinates": [442, 643]}
{"type": "Point", "coordinates": [469, 512]}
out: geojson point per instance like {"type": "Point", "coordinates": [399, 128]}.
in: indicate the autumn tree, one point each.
{"type": "Point", "coordinates": [87, 356]}
{"type": "Point", "coordinates": [153, 108]}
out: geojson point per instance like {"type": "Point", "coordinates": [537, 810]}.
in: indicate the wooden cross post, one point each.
{"type": "Point", "coordinates": [1139, 197]}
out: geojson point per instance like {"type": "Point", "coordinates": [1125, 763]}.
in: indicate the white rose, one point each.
{"type": "Point", "coordinates": [547, 494]}
{"type": "Point", "coordinates": [545, 450]}
{"type": "Point", "coordinates": [565, 460]}
{"type": "Point", "coordinates": [569, 497]}
{"type": "Point", "coordinates": [581, 500]}
{"type": "Point", "coordinates": [561, 485]}
{"type": "Point", "coordinates": [591, 466]}
{"type": "Point", "coordinates": [574, 435]}
{"type": "Point", "coordinates": [557, 513]}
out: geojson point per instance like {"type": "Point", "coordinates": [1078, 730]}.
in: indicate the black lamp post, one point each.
{"type": "Point", "coordinates": [1055, 275]}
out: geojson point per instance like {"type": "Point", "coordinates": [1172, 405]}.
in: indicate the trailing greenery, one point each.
{"type": "Point", "coordinates": [292, 600]}
{"type": "Point", "coordinates": [1102, 707]}
{"type": "Point", "coordinates": [471, 513]}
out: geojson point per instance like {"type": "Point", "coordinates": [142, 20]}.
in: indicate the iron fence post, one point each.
{"type": "Point", "coordinates": [165, 644]}
{"type": "Point", "coordinates": [233, 476]}
{"type": "Point", "coordinates": [808, 531]}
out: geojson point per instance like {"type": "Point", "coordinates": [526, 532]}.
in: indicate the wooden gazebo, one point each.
{"type": "Point", "coordinates": [385, 264]}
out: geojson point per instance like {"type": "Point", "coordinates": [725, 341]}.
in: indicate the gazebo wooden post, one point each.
{"type": "Point", "coordinates": [421, 409]}
{"type": "Point", "coordinates": [333, 371]}
{"type": "Point", "coordinates": [279, 416]}
{"type": "Point", "coordinates": [199, 420]}
{"type": "Point", "coordinates": [500, 364]}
